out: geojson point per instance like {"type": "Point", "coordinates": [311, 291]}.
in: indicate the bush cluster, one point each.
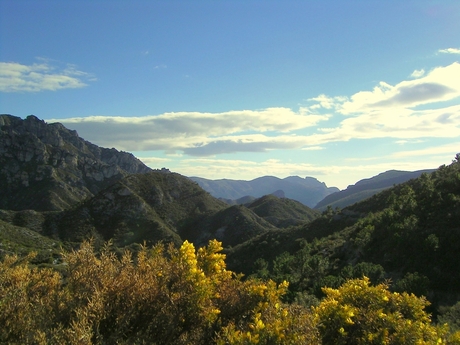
{"type": "Point", "coordinates": [169, 295]}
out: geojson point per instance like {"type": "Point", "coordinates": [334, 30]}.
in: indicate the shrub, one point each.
{"type": "Point", "coordinates": [164, 295]}
{"type": "Point", "coordinates": [358, 313]}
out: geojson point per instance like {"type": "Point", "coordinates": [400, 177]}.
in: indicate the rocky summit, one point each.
{"type": "Point", "coordinates": [47, 167]}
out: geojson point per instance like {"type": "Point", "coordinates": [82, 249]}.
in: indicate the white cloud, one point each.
{"type": "Point", "coordinates": [404, 141]}
{"type": "Point", "coordinates": [440, 84]}
{"type": "Point", "coordinates": [397, 123]}
{"type": "Point", "coordinates": [199, 133]}
{"type": "Point", "coordinates": [418, 73]}
{"type": "Point", "coordinates": [16, 77]}
{"type": "Point", "coordinates": [449, 51]}
{"type": "Point", "coordinates": [394, 111]}
{"type": "Point", "coordinates": [326, 102]}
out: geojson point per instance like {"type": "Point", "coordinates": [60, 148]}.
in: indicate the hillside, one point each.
{"type": "Point", "coordinates": [309, 191]}
{"type": "Point", "coordinates": [232, 226]}
{"type": "Point", "coordinates": [364, 189]}
{"type": "Point", "coordinates": [23, 240]}
{"type": "Point", "coordinates": [48, 167]}
{"type": "Point", "coordinates": [147, 207]}
{"type": "Point", "coordinates": [409, 234]}
{"type": "Point", "coordinates": [282, 212]}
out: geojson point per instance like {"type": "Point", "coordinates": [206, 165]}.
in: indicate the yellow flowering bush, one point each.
{"type": "Point", "coordinates": [168, 295]}
{"type": "Point", "coordinates": [163, 295]}
{"type": "Point", "coordinates": [358, 313]}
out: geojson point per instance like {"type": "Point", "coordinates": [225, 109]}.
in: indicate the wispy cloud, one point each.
{"type": "Point", "coordinates": [313, 148]}
{"type": "Point", "coordinates": [404, 141]}
{"type": "Point", "coordinates": [326, 102]}
{"type": "Point", "coordinates": [449, 51]}
{"type": "Point", "coordinates": [418, 73]}
{"type": "Point", "coordinates": [16, 77]}
{"type": "Point", "coordinates": [445, 150]}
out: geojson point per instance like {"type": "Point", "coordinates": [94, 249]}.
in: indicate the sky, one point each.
{"type": "Point", "coordinates": [336, 90]}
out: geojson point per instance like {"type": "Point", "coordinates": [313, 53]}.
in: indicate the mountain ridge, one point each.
{"type": "Point", "coordinates": [93, 192]}
{"type": "Point", "coordinates": [365, 188]}
{"type": "Point", "coordinates": [49, 167]}
{"type": "Point", "coordinates": [309, 191]}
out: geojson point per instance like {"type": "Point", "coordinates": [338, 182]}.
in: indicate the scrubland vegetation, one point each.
{"type": "Point", "coordinates": [170, 295]}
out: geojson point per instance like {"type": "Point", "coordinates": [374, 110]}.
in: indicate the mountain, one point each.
{"type": "Point", "coordinates": [364, 189]}
{"type": "Point", "coordinates": [60, 187]}
{"type": "Point", "coordinates": [309, 191]}
{"type": "Point", "coordinates": [47, 167]}
{"type": "Point", "coordinates": [151, 207]}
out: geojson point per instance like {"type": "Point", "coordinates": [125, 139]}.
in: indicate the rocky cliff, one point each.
{"type": "Point", "coordinates": [47, 167]}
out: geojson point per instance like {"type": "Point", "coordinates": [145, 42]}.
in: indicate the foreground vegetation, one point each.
{"type": "Point", "coordinates": [170, 295]}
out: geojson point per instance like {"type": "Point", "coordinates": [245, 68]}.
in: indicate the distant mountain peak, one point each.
{"type": "Point", "coordinates": [309, 191]}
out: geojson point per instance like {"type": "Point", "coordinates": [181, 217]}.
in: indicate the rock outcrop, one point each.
{"type": "Point", "coordinates": [47, 167]}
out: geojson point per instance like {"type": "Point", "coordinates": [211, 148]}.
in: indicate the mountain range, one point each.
{"type": "Point", "coordinates": [309, 191]}
{"type": "Point", "coordinates": [58, 189]}
{"type": "Point", "coordinates": [65, 188]}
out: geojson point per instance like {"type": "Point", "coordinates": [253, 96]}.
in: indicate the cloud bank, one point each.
{"type": "Point", "coordinates": [424, 107]}
{"type": "Point", "coordinates": [199, 134]}
{"type": "Point", "coordinates": [409, 109]}
{"type": "Point", "coordinates": [16, 77]}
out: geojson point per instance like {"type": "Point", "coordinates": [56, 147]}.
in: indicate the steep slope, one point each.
{"type": "Point", "coordinates": [48, 167]}
{"type": "Point", "coordinates": [309, 191]}
{"type": "Point", "coordinates": [364, 189]}
{"type": "Point", "coordinates": [150, 207]}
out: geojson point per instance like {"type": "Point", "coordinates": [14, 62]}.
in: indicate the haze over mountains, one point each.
{"type": "Point", "coordinates": [309, 191]}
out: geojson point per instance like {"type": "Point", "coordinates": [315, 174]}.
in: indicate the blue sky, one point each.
{"type": "Point", "coordinates": [337, 90]}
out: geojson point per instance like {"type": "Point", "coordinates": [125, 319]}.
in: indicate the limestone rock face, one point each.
{"type": "Point", "coordinates": [47, 167]}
